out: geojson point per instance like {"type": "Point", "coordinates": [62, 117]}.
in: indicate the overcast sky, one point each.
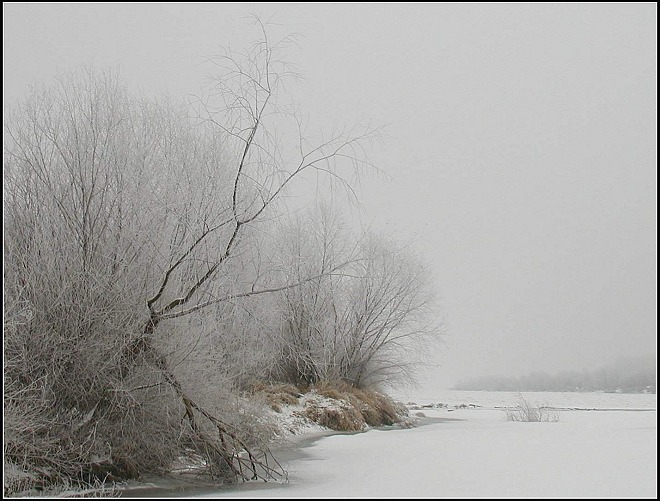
{"type": "Point", "coordinates": [520, 142]}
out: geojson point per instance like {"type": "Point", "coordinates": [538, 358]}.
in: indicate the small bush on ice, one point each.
{"type": "Point", "coordinates": [528, 412]}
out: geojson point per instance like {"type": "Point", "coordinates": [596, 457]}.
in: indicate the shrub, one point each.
{"type": "Point", "coordinates": [527, 412]}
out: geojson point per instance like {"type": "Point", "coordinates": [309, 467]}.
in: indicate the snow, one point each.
{"type": "Point", "coordinates": [476, 452]}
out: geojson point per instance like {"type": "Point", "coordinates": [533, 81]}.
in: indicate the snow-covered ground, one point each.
{"type": "Point", "coordinates": [476, 452]}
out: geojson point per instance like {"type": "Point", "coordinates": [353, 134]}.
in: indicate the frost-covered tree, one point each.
{"type": "Point", "coordinates": [132, 243]}
{"type": "Point", "coordinates": [366, 323]}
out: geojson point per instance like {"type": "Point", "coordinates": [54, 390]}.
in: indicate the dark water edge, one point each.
{"type": "Point", "coordinates": [173, 486]}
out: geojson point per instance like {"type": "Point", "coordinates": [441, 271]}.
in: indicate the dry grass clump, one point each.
{"type": "Point", "coordinates": [16, 480]}
{"type": "Point", "coordinates": [375, 409]}
{"type": "Point", "coordinates": [527, 412]}
{"type": "Point", "coordinates": [19, 483]}
{"type": "Point", "coordinates": [352, 408]}
{"type": "Point", "coordinates": [277, 395]}
{"type": "Point", "coordinates": [289, 389]}
{"type": "Point", "coordinates": [342, 418]}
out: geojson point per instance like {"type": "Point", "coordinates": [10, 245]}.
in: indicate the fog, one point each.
{"type": "Point", "coordinates": [519, 146]}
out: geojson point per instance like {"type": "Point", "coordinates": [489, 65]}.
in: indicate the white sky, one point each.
{"type": "Point", "coordinates": [520, 143]}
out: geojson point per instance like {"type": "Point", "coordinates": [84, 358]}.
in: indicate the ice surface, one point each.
{"type": "Point", "coordinates": [477, 452]}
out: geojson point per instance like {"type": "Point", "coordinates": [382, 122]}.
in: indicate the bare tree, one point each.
{"type": "Point", "coordinates": [247, 92]}
{"type": "Point", "coordinates": [366, 325]}
{"type": "Point", "coordinates": [392, 314]}
{"type": "Point", "coordinates": [312, 245]}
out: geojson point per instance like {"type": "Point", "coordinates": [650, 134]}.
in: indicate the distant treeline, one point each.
{"type": "Point", "coordinates": [626, 377]}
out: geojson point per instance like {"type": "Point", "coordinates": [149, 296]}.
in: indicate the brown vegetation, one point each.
{"type": "Point", "coordinates": [356, 408]}
{"type": "Point", "coordinates": [351, 409]}
{"type": "Point", "coordinates": [376, 408]}
{"type": "Point", "coordinates": [276, 394]}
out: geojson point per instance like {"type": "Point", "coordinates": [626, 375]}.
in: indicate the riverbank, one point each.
{"type": "Point", "coordinates": [461, 445]}
{"type": "Point", "coordinates": [290, 452]}
{"type": "Point", "coordinates": [299, 417]}
{"type": "Point", "coordinates": [481, 454]}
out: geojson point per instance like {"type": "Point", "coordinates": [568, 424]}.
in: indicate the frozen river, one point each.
{"type": "Point", "coordinates": [454, 452]}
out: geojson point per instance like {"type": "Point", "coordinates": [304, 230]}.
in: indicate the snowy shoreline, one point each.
{"type": "Point", "coordinates": [288, 450]}
{"type": "Point", "coordinates": [585, 454]}
{"type": "Point", "coordinates": [468, 451]}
